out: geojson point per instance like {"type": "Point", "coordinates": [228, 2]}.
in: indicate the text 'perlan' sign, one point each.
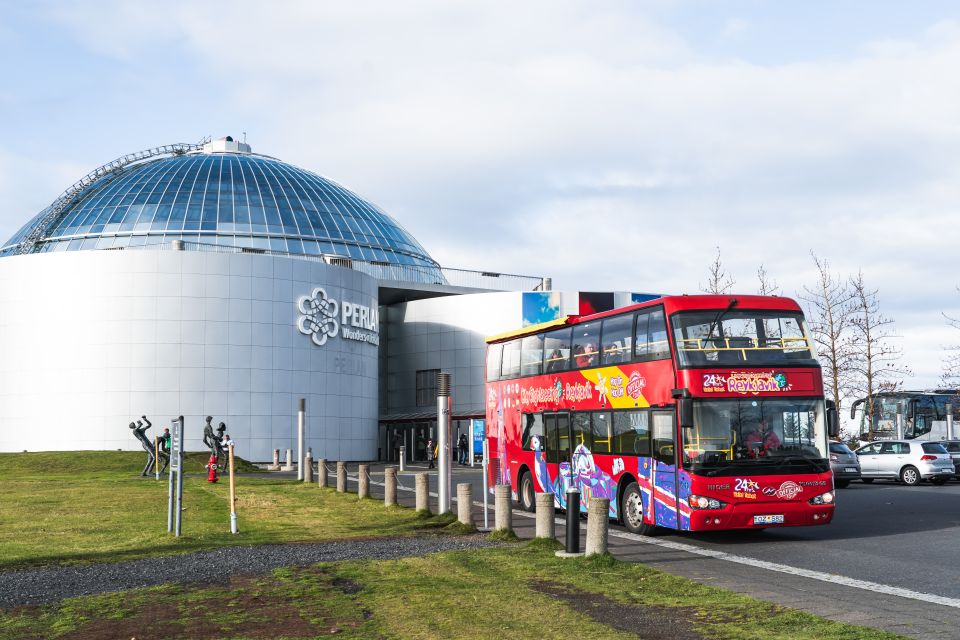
{"type": "Point", "coordinates": [322, 318]}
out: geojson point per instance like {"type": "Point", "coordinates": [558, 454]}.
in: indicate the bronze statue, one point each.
{"type": "Point", "coordinates": [209, 438]}
{"type": "Point", "coordinates": [221, 452]}
{"type": "Point", "coordinates": [138, 431]}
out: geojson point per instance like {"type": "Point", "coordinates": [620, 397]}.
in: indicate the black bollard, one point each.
{"type": "Point", "coordinates": [573, 520]}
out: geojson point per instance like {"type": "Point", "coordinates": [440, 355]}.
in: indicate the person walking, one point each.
{"type": "Point", "coordinates": [430, 453]}
{"type": "Point", "coordinates": [462, 447]}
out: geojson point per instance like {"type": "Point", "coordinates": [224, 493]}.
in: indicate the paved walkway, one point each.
{"type": "Point", "coordinates": [844, 603]}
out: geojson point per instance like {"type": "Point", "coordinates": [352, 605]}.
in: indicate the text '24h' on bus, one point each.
{"type": "Point", "coordinates": [687, 412]}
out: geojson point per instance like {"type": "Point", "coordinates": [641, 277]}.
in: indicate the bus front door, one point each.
{"type": "Point", "coordinates": [556, 427]}
{"type": "Point", "coordinates": [665, 487]}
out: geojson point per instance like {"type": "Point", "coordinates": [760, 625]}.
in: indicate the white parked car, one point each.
{"type": "Point", "coordinates": [910, 461]}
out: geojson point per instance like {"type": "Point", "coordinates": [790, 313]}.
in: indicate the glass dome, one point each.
{"type": "Point", "coordinates": [228, 201]}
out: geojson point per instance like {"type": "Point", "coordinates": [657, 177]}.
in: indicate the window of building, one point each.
{"type": "Point", "coordinates": [427, 387]}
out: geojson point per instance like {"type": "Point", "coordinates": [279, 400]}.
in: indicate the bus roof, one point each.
{"type": "Point", "coordinates": [671, 304]}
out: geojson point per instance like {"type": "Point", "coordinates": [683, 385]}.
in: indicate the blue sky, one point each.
{"type": "Point", "coordinates": [608, 145]}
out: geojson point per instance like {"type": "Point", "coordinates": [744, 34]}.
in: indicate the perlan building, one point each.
{"type": "Point", "coordinates": [206, 279]}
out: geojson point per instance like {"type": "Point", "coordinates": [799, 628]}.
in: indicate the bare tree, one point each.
{"type": "Point", "coordinates": [719, 280]}
{"type": "Point", "coordinates": [950, 375]}
{"type": "Point", "coordinates": [829, 313]}
{"type": "Point", "coordinates": [877, 361]}
{"type": "Point", "coordinates": [768, 286]}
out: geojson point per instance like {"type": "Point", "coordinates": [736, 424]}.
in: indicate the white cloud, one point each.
{"type": "Point", "coordinates": [590, 142]}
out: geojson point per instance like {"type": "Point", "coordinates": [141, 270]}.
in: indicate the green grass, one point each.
{"type": "Point", "coordinates": [464, 594]}
{"type": "Point", "coordinates": [58, 508]}
{"type": "Point", "coordinates": [94, 506]}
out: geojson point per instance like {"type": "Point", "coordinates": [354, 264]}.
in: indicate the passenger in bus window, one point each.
{"type": "Point", "coordinates": [587, 355]}
{"type": "Point", "coordinates": [556, 361]}
{"type": "Point", "coordinates": [762, 439]}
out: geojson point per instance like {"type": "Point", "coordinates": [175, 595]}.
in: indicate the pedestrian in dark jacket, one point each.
{"type": "Point", "coordinates": [430, 452]}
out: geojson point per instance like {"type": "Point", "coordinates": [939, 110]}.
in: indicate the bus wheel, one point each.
{"type": "Point", "coordinates": [527, 502]}
{"type": "Point", "coordinates": [631, 506]}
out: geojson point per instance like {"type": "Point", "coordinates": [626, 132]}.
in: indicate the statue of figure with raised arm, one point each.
{"type": "Point", "coordinates": [221, 452]}
{"type": "Point", "coordinates": [163, 448]}
{"type": "Point", "coordinates": [209, 438]}
{"type": "Point", "coordinates": [138, 431]}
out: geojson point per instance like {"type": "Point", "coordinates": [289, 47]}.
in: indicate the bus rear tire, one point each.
{"type": "Point", "coordinates": [631, 506]}
{"type": "Point", "coordinates": [525, 496]}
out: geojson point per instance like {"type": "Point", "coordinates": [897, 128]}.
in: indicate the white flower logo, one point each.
{"type": "Point", "coordinates": [318, 316]}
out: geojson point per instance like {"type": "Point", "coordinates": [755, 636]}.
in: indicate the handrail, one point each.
{"type": "Point", "coordinates": [107, 173]}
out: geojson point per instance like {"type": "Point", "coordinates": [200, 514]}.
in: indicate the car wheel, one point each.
{"type": "Point", "coordinates": [526, 498]}
{"type": "Point", "coordinates": [938, 481]}
{"type": "Point", "coordinates": [866, 480]}
{"type": "Point", "coordinates": [910, 476]}
{"type": "Point", "coordinates": [631, 506]}
{"type": "Point", "coordinates": [841, 484]}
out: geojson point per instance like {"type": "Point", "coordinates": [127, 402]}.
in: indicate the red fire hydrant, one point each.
{"type": "Point", "coordinates": [212, 468]}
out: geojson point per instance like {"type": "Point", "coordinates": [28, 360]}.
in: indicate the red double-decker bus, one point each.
{"type": "Point", "coordinates": [687, 412]}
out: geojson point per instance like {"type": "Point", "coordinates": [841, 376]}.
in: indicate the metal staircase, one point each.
{"type": "Point", "coordinates": [104, 174]}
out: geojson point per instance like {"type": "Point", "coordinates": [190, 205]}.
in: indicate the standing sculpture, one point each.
{"type": "Point", "coordinates": [209, 438]}
{"type": "Point", "coordinates": [221, 451]}
{"type": "Point", "coordinates": [138, 431]}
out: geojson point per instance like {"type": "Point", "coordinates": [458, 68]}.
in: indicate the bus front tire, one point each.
{"type": "Point", "coordinates": [526, 494]}
{"type": "Point", "coordinates": [631, 506]}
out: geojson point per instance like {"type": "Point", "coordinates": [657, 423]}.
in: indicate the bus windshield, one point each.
{"type": "Point", "coordinates": [755, 432]}
{"type": "Point", "coordinates": [739, 336]}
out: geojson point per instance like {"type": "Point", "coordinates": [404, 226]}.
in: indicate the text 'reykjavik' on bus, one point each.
{"type": "Point", "coordinates": [686, 412]}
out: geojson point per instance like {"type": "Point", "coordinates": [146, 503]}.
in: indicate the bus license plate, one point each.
{"type": "Point", "coordinates": [775, 519]}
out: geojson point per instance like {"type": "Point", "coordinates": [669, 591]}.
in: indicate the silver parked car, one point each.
{"type": "Point", "coordinates": [844, 464]}
{"type": "Point", "coordinates": [910, 461]}
{"type": "Point", "coordinates": [953, 448]}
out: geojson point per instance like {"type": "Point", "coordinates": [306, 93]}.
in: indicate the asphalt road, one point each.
{"type": "Point", "coordinates": [907, 537]}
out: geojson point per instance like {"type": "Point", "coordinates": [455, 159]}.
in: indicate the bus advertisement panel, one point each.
{"type": "Point", "coordinates": [679, 425]}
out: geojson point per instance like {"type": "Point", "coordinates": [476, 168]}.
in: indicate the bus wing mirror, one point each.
{"type": "Point", "coordinates": [833, 420]}
{"type": "Point", "coordinates": [685, 408]}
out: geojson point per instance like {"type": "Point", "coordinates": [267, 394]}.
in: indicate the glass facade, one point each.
{"type": "Point", "coordinates": [231, 200]}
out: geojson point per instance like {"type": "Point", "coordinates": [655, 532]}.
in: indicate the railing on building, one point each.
{"type": "Point", "coordinates": [379, 269]}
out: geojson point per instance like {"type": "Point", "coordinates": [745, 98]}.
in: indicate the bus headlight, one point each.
{"type": "Point", "coordinates": [703, 502]}
{"type": "Point", "coordinates": [823, 498]}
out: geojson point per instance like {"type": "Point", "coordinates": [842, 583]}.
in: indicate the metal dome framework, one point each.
{"type": "Point", "coordinates": [235, 200]}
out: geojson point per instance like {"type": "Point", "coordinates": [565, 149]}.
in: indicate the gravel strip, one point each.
{"type": "Point", "coordinates": [44, 586]}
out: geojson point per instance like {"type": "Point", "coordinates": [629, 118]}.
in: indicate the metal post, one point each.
{"type": "Point", "coordinates": [174, 445]}
{"type": "Point", "coordinates": [573, 520]}
{"type": "Point", "coordinates": [949, 421]}
{"type": "Point", "coordinates": [443, 439]}
{"type": "Point", "coordinates": [156, 456]}
{"type": "Point", "coordinates": [899, 426]}
{"type": "Point", "coordinates": [179, 513]}
{"type": "Point", "coordinates": [300, 416]}
{"type": "Point", "coordinates": [486, 487]}
{"type": "Point", "coordinates": [233, 495]}
{"type": "Point", "coordinates": [403, 457]}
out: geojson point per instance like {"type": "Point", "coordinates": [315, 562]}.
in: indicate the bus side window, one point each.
{"type": "Point", "coordinates": [511, 359]}
{"type": "Point", "coordinates": [658, 347]}
{"type": "Point", "coordinates": [617, 339]}
{"type": "Point", "coordinates": [602, 431]}
{"type": "Point", "coordinates": [631, 433]}
{"type": "Point", "coordinates": [581, 430]}
{"type": "Point", "coordinates": [494, 352]}
{"type": "Point", "coordinates": [531, 355]}
{"type": "Point", "coordinates": [585, 339]}
{"type": "Point", "coordinates": [556, 351]}
{"type": "Point", "coordinates": [664, 442]}
{"type": "Point", "coordinates": [533, 426]}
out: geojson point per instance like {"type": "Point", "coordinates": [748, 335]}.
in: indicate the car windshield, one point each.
{"type": "Point", "coordinates": [836, 447]}
{"type": "Point", "coordinates": [706, 338]}
{"type": "Point", "coordinates": [759, 433]}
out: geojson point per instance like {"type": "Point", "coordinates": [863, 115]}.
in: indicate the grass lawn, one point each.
{"type": "Point", "coordinates": [93, 506]}
{"type": "Point", "coordinates": [86, 507]}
